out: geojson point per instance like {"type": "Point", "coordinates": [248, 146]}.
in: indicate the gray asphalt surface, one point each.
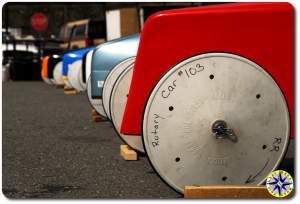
{"type": "Point", "coordinates": [52, 149]}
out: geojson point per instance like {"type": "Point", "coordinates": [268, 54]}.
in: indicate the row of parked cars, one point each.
{"type": "Point", "coordinates": [101, 71]}
{"type": "Point", "coordinates": [191, 90]}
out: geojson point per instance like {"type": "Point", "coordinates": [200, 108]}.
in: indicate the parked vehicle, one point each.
{"type": "Point", "coordinates": [86, 68]}
{"type": "Point", "coordinates": [82, 33]}
{"type": "Point", "coordinates": [68, 59]}
{"type": "Point", "coordinates": [52, 69]}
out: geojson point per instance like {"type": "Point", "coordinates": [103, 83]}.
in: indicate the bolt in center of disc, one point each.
{"type": "Point", "coordinates": [221, 130]}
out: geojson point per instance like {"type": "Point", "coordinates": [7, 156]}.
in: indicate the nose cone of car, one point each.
{"type": "Point", "coordinates": [52, 62]}
{"type": "Point", "coordinates": [69, 58]}
{"type": "Point", "coordinates": [108, 55]}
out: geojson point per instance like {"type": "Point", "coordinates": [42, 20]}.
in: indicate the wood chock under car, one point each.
{"type": "Point", "coordinates": [227, 191]}
{"type": "Point", "coordinates": [59, 86]}
{"type": "Point", "coordinates": [97, 117]}
{"type": "Point", "coordinates": [127, 153]}
{"type": "Point", "coordinates": [70, 91]}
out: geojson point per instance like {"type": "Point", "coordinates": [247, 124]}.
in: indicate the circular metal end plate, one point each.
{"type": "Point", "coordinates": [96, 103]}
{"type": "Point", "coordinates": [79, 76]}
{"type": "Point", "coordinates": [215, 119]}
{"type": "Point", "coordinates": [88, 64]}
{"type": "Point", "coordinates": [53, 81]}
{"type": "Point", "coordinates": [67, 83]}
{"type": "Point", "coordinates": [110, 81]}
{"type": "Point", "coordinates": [57, 74]}
{"type": "Point", "coordinates": [74, 75]}
{"type": "Point", "coordinates": [117, 107]}
{"type": "Point", "coordinates": [47, 81]}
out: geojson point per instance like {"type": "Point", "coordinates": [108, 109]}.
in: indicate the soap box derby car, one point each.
{"type": "Point", "coordinates": [68, 59]}
{"type": "Point", "coordinates": [104, 58]}
{"type": "Point", "coordinates": [212, 93]}
{"type": "Point", "coordinates": [86, 68]}
{"type": "Point", "coordinates": [52, 69]}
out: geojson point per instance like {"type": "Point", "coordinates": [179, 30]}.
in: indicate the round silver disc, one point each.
{"type": "Point", "coordinates": [117, 107]}
{"type": "Point", "coordinates": [66, 79]}
{"type": "Point", "coordinates": [67, 83]}
{"type": "Point", "coordinates": [47, 81]}
{"type": "Point", "coordinates": [110, 81]}
{"type": "Point", "coordinates": [96, 103]}
{"type": "Point", "coordinates": [57, 74]}
{"type": "Point", "coordinates": [74, 75]}
{"type": "Point", "coordinates": [53, 81]}
{"type": "Point", "coordinates": [215, 119]}
{"type": "Point", "coordinates": [81, 83]}
{"type": "Point", "coordinates": [88, 64]}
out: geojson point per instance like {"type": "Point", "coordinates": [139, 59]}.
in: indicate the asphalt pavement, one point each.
{"type": "Point", "coordinates": [52, 149]}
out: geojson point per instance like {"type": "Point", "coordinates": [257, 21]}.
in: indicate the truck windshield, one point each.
{"type": "Point", "coordinates": [61, 34]}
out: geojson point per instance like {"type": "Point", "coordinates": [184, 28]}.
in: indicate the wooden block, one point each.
{"type": "Point", "coordinates": [127, 153]}
{"type": "Point", "coordinates": [129, 21]}
{"type": "Point", "coordinates": [94, 113]}
{"type": "Point", "coordinates": [73, 92]}
{"type": "Point", "coordinates": [66, 88]}
{"type": "Point", "coordinates": [227, 191]}
{"type": "Point", "coordinates": [70, 91]}
{"type": "Point", "coordinates": [97, 119]}
{"type": "Point", "coordinates": [59, 86]}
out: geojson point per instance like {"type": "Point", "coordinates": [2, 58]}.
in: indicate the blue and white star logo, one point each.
{"type": "Point", "coordinates": [280, 183]}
